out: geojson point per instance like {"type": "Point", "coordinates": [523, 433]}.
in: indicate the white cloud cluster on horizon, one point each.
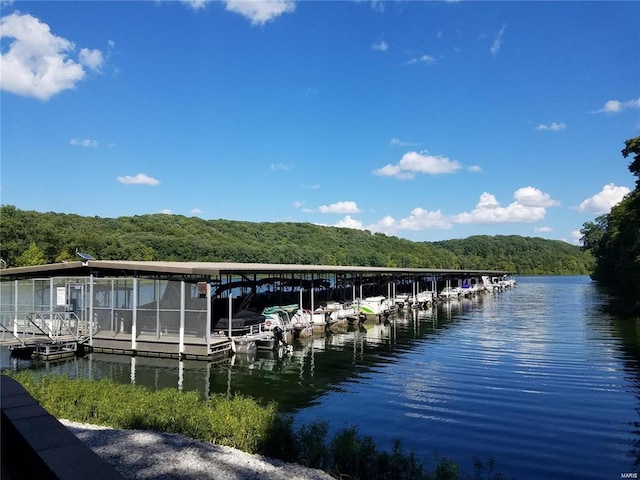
{"type": "Point", "coordinates": [604, 200]}
{"type": "Point", "coordinates": [616, 106]}
{"type": "Point", "coordinates": [139, 179]}
{"type": "Point", "coordinates": [340, 207]}
{"type": "Point", "coordinates": [260, 12]}
{"type": "Point", "coordinates": [530, 205]}
{"type": "Point", "coordinates": [412, 163]}
{"type": "Point", "coordinates": [37, 64]}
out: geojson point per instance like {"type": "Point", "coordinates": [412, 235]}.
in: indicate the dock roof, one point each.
{"type": "Point", "coordinates": [216, 269]}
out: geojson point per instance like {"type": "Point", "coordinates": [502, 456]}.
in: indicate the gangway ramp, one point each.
{"type": "Point", "coordinates": [48, 335]}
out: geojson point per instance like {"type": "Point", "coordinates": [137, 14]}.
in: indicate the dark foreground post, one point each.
{"type": "Point", "coordinates": [34, 444]}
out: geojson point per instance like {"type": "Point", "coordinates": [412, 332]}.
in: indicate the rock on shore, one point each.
{"type": "Point", "coordinates": [143, 454]}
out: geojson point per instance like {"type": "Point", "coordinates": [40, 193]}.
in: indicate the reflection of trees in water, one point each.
{"type": "Point", "coordinates": [627, 332]}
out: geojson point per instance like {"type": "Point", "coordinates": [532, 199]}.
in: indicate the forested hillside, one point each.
{"type": "Point", "coordinates": [31, 238]}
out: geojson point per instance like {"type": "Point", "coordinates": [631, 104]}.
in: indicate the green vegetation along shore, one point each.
{"type": "Point", "coordinates": [33, 238]}
{"type": "Point", "coordinates": [235, 421]}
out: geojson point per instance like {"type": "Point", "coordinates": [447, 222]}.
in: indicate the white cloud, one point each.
{"type": "Point", "coordinates": [428, 59]}
{"type": "Point", "coordinates": [489, 211]}
{"type": "Point", "coordinates": [393, 171]}
{"type": "Point", "coordinates": [196, 211]}
{"type": "Point", "coordinates": [616, 106]}
{"type": "Point", "coordinates": [603, 201]}
{"type": "Point", "coordinates": [414, 162]}
{"type": "Point", "coordinates": [166, 211]}
{"type": "Point", "coordinates": [340, 207]}
{"type": "Point", "coordinates": [576, 236]}
{"type": "Point", "coordinates": [532, 197]}
{"type": "Point", "coordinates": [402, 143]}
{"type": "Point", "coordinates": [348, 222]}
{"type": "Point", "coordinates": [382, 46]}
{"type": "Point", "coordinates": [298, 204]}
{"type": "Point", "coordinates": [91, 59]}
{"type": "Point", "coordinates": [139, 179]}
{"type": "Point", "coordinates": [260, 11]}
{"type": "Point", "coordinates": [36, 63]}
{"type": "Point", "coordinates": [377, 5]}
{"type": "Point", "coordinates": [387, 224]}
{"type": "Point", "coordinates": [530, 206]}
{"type": "Point", "coordinates": [279, 167]}
{"type": "Point", "coordinates": [420, 219]}
{"type": "Point", "coordinates": [497, 42]}
{"type": "Point", "coordinates": [195, 4]}
{"type": "Point", "coordinates": [553, 126]}
{"type": "Point", "coordinates": [475, 169]}
{"type": "Point", "coordinates": [83, 142]}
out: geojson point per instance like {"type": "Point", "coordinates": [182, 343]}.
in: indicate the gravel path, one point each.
{"type": "Point", "coordinates": [142, 454]}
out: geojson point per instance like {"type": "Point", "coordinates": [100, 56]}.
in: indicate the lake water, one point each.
{"type": "Point", "coordinates": [538, 378]}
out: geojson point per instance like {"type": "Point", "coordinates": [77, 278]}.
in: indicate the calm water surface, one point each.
{"type": "Point", "coordinates": [537, 377]}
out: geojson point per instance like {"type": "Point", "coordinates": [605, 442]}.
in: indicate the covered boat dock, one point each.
{"type": "Point", "coordinates": [168, 309]}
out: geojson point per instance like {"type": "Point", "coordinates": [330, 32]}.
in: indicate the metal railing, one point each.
{"type": "Point", "coordinates": [26, 327]}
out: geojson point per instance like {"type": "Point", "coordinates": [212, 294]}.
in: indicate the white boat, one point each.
{"type": "Point", "coordinates": [290, 318]}
{"type": "Point", "coordinates": [450, 293]}
{"type": "Point", "coordinates": [337, 312]}
{"type": "Point", "coordinates": [402, 300]}
{"type": "Point", "coordinates": [244, 344]}
{"type": "Point", "coordinates": [469, 290]}
{"type": "Point", "coordinates": [424, 299]}
{"type": "Point", "coordinates": [375, 307]}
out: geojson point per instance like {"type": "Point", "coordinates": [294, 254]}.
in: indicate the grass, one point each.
{"type": "Point", "coordinates": [236, 421]}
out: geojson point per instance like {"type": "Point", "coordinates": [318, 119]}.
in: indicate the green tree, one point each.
{"type": "Point", "coordinates": [34, 255]}
{"type": "Point", "coordinates": [617, 252]}
{"type": "Point", "coordinates": [592, 234]}
{"type": "Point", "coordinates": [632, 147]}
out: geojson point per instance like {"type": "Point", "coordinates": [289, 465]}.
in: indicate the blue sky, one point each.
{"type": "Point", "coordinates": [422, 120]}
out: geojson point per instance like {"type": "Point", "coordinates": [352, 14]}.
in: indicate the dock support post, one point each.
{"type": "Point", "coordinates": [230, 312]}
{"type": "Point", "coordinates": [51, 303]}
{"type": "Point", "coordinates": [182, 306]}
{"type": "Point", "coordinates": [134, 315]}
{"type": "Point", "coordinates": [207, 332]}
{"type": "Point", "coordinates": [91, 319]}
{"type": "Point", "coordinates": [312, 297]}
{"type": "Point", "coordinates": [15, 308]}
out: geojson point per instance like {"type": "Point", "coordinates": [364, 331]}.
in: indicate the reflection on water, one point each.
{"type": "Point", "coordinates": [538, 377]}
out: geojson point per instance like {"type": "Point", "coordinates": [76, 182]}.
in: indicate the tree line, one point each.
{"type": "Point", "coordinates": [614, 241]}
{"type": "Point", "coordinates": [35, 238]}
